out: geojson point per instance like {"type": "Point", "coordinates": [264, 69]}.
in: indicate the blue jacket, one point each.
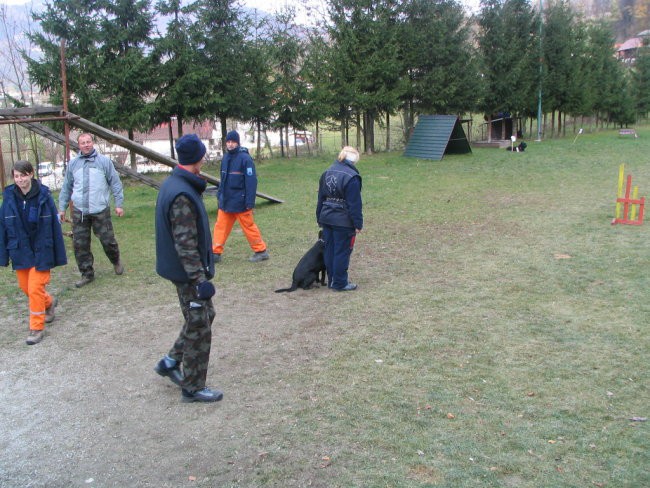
{"type": "Point", "coordinates": [31, 239]}
{"type": "Point", "coordinates": [238, 181]}
{"type": "Point", "coordinates": [169, 264]}
{"type": "Point", "coordinates": [339, 197]}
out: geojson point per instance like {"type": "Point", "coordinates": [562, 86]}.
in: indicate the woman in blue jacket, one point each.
{"type": "Point", "coordinates": [31, 237]}
{"type": "Point", "coordinates": [339, 212]}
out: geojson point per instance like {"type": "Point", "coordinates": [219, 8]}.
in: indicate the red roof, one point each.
{"type": "Point", "coordinates": [633, 43]}
{"type": "Point", "coordinates": [161, 132]}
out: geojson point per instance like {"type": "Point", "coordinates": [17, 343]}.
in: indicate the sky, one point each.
{"type": "Point", "coordinates": [268, 5]}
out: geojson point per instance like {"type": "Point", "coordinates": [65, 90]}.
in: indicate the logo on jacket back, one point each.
{"type": "Point", "coordinates": [330, 181]}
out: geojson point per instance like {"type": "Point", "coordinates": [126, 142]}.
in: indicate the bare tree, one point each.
{"type": "Point", "coordinates": [15, 31]}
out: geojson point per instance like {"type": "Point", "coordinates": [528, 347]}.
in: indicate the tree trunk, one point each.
{"type": "Point", "coordinates": [387, 132]}
{"type": "Point", "coordinates": [134, 164]}
{"type": "Point", "coordinates": [259, 140]}
{"type": "Point", "coordinates": [267, 144]}
{"type": "Point", "coordinates": [368, 132]}
{"type": "Point", "coordinates": [224, 133]}
{"type": "Point", "coordinates": [359, 129]}
{"type": "Point", "coordinates": [171, 139]}
{"type": "Point", "coordinates": [281, 142]}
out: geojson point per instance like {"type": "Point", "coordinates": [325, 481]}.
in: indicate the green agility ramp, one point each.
{"type": "Point", "coordinates": [437, 135]}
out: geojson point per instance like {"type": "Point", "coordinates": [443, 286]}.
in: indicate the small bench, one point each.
{"type": "Point", "coordinates": [627, 132]}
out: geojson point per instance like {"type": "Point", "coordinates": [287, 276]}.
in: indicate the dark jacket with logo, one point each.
{"type": "Point", "coordinates": [183, 237]}
{"type": "Point", "coordinates": [238, 185]}
{"type": "Point", "coordinates": [339, 197]}
{"type": "Point", "coordinates": [30, 232]}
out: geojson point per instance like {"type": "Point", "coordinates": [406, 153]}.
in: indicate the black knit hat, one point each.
{"type": "Point", "coordinates": [189, 149]}
{"type": "Point", "coordinates": [232, 136]}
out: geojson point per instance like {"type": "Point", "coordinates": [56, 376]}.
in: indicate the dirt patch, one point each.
{"type": "Point", "coordinates": [84, 407]}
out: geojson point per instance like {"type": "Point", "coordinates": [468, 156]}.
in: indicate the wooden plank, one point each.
{"type": "Point", "coordinates": [31, 111]}
{"type": "Point", "coordinates": [150, 154]}
{"type": "Point", "coordinates": [58, 138]}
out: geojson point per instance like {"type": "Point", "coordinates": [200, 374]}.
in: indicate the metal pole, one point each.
{"type": "Point", "coordinates": [64, 94]}
{"type": "Point", "coordinates": [541, 72]}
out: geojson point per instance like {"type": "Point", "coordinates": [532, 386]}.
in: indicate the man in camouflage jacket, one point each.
{"type": "Point", "coordinates": [184, 256]}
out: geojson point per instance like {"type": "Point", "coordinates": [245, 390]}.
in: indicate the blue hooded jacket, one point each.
{"type": "Point", "coordinates": [34, 240]}
{"type": "Point", "coordinates": [238, 185]}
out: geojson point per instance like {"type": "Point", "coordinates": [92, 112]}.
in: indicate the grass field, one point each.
{"type": "Point", "coordinates": [499, 336]}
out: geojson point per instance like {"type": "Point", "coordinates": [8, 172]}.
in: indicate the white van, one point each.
{"type": "Point", "coordinates": [46, 168]}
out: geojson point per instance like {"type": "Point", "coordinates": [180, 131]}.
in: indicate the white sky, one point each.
{"type": "Point", "coordinates": [268, 5]}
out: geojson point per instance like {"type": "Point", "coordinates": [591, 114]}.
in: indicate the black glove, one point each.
{"type": "Point", "coordinates": [205, 290]}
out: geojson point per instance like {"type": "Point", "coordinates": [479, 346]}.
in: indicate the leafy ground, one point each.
{"type": "Point", "coordinates": [499, 338]}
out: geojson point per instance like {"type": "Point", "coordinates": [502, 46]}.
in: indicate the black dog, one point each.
{"type": "Point", "coordinates": [520, 148]}
{"type": "Point", "coordinates": [310, 268]}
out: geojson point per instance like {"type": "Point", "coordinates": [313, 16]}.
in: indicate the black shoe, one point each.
{"type": "Point", "coordinates": [217, 258]}
{"type": "Point", "coordinates": [205, 395]}
{"type": "Point", "coordinates": [173, 373]}
{"type": "Point", "coordinates": [259, 256]}
{"type": "Point", "coordinates": [348, 287]}
{"type": "Point", "coordinates": [84, 281]}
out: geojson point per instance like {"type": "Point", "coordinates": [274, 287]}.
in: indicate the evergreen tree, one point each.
{"type": "Point", "coordinates": [605, 71]}
{"type": "Point", "coordinates": [642, 81]}
{"type": "Point", "coordinates": [218, 35]}
{"type": "Point", "coordinates": [291, 89]}
{"type": "Point", "coordinates": [260, 85]}
{"type": "Point", "coordinates": [559, 48]}
{"type": "Point", "coordinates": [438, 59]}
{"type": "Point", "coordinates": [509, 55]}
{"type": "Point", "coordinates": [74, 23]}
{"type": "Point", "coordinates": [108, 68]}
{"type": "Point", "coordinates": [126, 71]}
{"type": "Point", "coordinates": [321, 103]}
{"type": "Point", "coordinates": [366, 69]}
{"type": "Point", "coordinates": [180, 75]}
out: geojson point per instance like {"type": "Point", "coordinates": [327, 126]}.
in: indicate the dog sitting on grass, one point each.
{"type": "Point", "coordinates": [520, 148]}
{"type": "Point", "coordinates": [310, 269]}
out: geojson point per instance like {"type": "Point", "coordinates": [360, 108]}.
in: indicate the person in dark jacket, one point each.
{"type": "Point", "coordinates": [31, 237]}
{"type": "Point", "coordinates": [184, 257]}
{"type": "Point", "coordinates": [339, 212]}
{"type": "Point", "coordinates": [236, 194]}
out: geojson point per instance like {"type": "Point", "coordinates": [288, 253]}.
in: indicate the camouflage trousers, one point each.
{"type": "Point", "coordinates": [192, 348]}
{"type": "Point", "coordinates": [102, 226]}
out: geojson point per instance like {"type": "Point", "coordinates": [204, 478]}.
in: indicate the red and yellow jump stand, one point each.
{"type": "Point", "coordinates": [628, 205]}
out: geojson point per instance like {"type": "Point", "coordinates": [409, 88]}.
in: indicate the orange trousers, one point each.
{"type": "Point", "coordinates": [223, 226]}
{"type": "Point", "coordinates": [33, 284]}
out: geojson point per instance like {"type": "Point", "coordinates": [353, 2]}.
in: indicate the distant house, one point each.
{"type": "Point", "coordinates": [158, 140]}
{"type": "Point", "coordinates": [627, 51]}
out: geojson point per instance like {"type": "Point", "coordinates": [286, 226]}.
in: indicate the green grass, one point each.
{"type": "Point", "coordinates": [473, 354]}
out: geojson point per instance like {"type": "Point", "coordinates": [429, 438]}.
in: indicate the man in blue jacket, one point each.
{"type": "Point", "coordinates": [184, 257]}
{"type": "Point", "coordinates": [30, 235]}
{"type": "Point", "coordinates": [236, 195]}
